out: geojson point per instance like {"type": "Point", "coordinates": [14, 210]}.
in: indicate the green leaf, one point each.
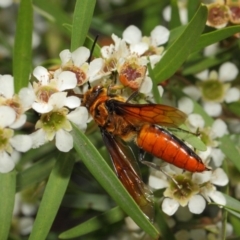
{"type": "Point", "coordinates": [192, 7]}
{"type": "Point", "coordinates": [112, 216]}
{"type": "Point", "coordinates": [82, 17]}
{"type": "Point", "coordinates": [83, 200]}
{"type": "Point", "coordinates": [54, 13]}
{"type": "Point", "coordinates": [53, 195]}
{"type": "Point", "coordinates": [166, 232]}
{"type": "Point", "coordinates": [175, 17]}
{"type": "Point", "coordinates": [234, 107]}
{"type": "Point", "coordinates": [179, 50]}
{"type": "Point", "coordinates": [232, 205]}
{"type": "Point", "coordinates": [156, 93]}
{"type": "Point", "coordinates": [230, 150]}
{"type": "Point", "coordinates": [107, 178]}
{"type": "Point", "coordinates": [35, 174]}
{"type": "Point", "coordinates": [206, 63]}
{"type": "Point", "coordinates": [215, 36]}
{"type": "Point", "coordinates": [22, 53]}
{"type": "Point", "coordinates": [7, 196]}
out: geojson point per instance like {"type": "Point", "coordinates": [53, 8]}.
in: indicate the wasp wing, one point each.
{"type": "Point", "coordinates": [136, 114]}
{"type": "Point", "coordinates": [127, 170]}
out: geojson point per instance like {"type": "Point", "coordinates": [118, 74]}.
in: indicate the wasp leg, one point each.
{"type": "Point", "coordinates": [156, 166]}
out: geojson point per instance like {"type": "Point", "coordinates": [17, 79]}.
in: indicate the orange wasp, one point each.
{"type": "Point", "coordinates": [121, 121]}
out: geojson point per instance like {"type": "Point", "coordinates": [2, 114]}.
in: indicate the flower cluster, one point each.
{"type": "Point", "coordinates": [122, 68]}
{"type": "Point", "coordinates": [52, 93]}
{"type": "Point", "coordinates": [221, 12]}
{"type": "Point", "coordinates": [12, 117]}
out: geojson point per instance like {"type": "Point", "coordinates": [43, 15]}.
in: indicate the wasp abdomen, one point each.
{"type": "Point", "coordinates": [162, 144]}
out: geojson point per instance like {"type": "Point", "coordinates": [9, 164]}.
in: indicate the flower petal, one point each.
{"type": "Point", "coordinates": [132, 34]}
{"type": "Point", "coordinates": [21, 143]}
{"type": "Point", "coordinates": [25, 225]}
{"type": "Point", "coordinates": [202, 75]}
{"type": "Point", "coordinates": [146, 85]}
{"type": "Point", "coordinates": [196, 204]}
{"type": "Point", "coordinates": [139, 48]}
{"type": "Point", "coordinates": [19, 122]}
{"type": "Point", "coordinates": [80, 55]}
{"type": "Point", "coordinates": [66, 80]}
{"type": "Point", "coordinates": [27, 97]}
{"type": "Point", "coordinates": [192, 92]}
{"type": "Point", "coordinates": [196, 120]}
{"type": "Point", "coordinates": [219, 177]}
{"type": "Point", "coordinates": [42, 75]}
{"type": "Point", "coordinates": [6, 163]}
{"type": "Point", "coordinates": [6, 3]}
{"type": "Point", "coordinates": [185, 104]}
{"type": "Point", "coordinates": [232, 95]}
{"type": "Point", "coordinates": [42, 107]}
{"type": "Point", "coordinates": [72, 102]}
{"type": "Point", "coordinates": [201, 178]}
{"type": "Point", "coordinates": [131, 225]}
{"type": "Point", "coordinates": [219, 128]}
{"type": "Point", "coordinates": [38, 138]}
{"type": "Point", "coordinates": [212, 109]}
{"type": "Point", "coordinates": [217, 157]}
{"type": "Point", "coordinates": [64, 141]}
{"type": "Point", "coordinates": [156, 182]}
{"type": "Point", "coordinates": [7, 116]}
{"type": "Point", "coordinates": [228, 72]}
{"type": "Point", "coordinates": [94, 67]}
{"type": "Point", "coordinates": [217, 197]}
{"type": "Point", "coordinates": [79, 116]}
{"type": "Point", "coordinates": [159, 35]}
{"type": "Point", "coordinates": [65, 56]}
{"type": "Point", "coordinates": [169, 206]}
{"type": "Point", "coordinates": [6, 86]}
{"type": "Point", "coordinates": [57, 100]}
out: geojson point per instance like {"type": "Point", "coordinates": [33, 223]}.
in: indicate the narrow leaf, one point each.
{"type": "Point", "coordinates": [175, 17]}
{"type": "Point", "coordinates": [215, 36]}
{"type": "Point", "coordinates": [178, 52]}
{"type": "Point", "coordinates": [206, 63]}
{"type": "Point", "coordinates": [53, 195]}
{"type": "Point", "coordinates": [112, 216]}
{"type": "Point", "coordinates": [81, 22]}
{"type": "Point", "coordinates": [22, 53]}
{"type": "Point", "coordinates": [106, 177]}
{"type": "Point", "coordinates": [230, 150]}
{"type": "Point", "coordinates": [7, 186]}
{"type": "Point", "coordinates": [35, 174]}
{"type": "Point", "coordinates": [54, 13]}
{"type": "Point", "coordinates": [166, 232]}
{"type": "Point", "coordinates": [232, 204]}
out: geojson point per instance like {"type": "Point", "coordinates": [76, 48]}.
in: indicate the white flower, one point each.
{"type": "Point", "coordinates": [77, 63]}
{"type": "Point", "coordinates": [208, 190]}
{"type": "Point", "coordinates": [48, 91]}
{"type": "Point", "coordinates": [215, 88]}
{"type": "Point", "coordinates": [9, 142]}
{"type": "Point", "coordinates": [167, 11]}
{"type": "Point", "coordinates": [5, 3]}
{"type": "Point", "coordinates": [142, 45]}
{"type": "Point", "coordinates": [56, 124]}
{"type": "Point", "coordinates": [8, 98]}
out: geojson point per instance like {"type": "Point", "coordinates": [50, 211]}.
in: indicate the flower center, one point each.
{"type": "Point", "coordinates": [217, 15]}
{"type": "Point", "coordinates": [44, 93]}
{"type": "Point", "coordinates": [212, 90]}
{"type": "Point", "coordinates": [5, 135]}
{"type": "Point", "coordinates": [53, 121]}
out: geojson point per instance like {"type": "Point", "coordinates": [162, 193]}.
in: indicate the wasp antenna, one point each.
{"type": "Point", "coordinates": [90, 57]}
{"type": "Point", "coordinates": [92, 49]}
